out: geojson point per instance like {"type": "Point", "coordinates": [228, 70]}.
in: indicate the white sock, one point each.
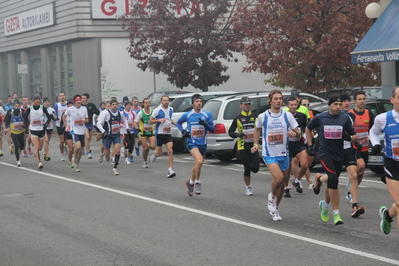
{"type": "Point", "coordinates": [335, 212]}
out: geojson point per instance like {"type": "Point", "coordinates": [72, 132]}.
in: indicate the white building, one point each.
{"type": "Point", "coordinates": [49, 46]}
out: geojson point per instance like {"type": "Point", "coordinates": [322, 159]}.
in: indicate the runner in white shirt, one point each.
{"type": "Point", "coordinates": [60, 108]}
{"type": "Point", "coordinates": [277, 126]}
{"type": "Point", "coordinates": [49, 129]}
{"type": "Point", "coordinates": [78, 117]}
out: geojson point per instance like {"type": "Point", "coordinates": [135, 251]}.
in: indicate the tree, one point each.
{"type": "Point", "coordinates": [305, 44]}
{"type": "Point", "coordinates": [189, 38]}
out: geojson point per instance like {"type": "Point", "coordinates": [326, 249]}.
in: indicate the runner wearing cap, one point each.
{"type": "Point", "coordinates": [331, 126]}
{"type": "Point", "coordinates": [242, 128]}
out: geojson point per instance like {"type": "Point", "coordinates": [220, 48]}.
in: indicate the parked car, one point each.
{"type": "Point", "coordinates": [155, 97]}
{"type": "Point", "coordinates": [181, 103]}
{"type": "Point", "coordinates": [371, 91]}
{"type": "Point", "coordinates": [225, 109]}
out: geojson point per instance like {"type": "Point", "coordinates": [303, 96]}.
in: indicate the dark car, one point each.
{"type": "Point", "coordinates": [375, 106]}
{"type": "Point", "coordinates": [371, 91]}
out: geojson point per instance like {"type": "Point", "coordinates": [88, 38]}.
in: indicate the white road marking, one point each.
{"type": "Point", "coordinates": [216, 216]}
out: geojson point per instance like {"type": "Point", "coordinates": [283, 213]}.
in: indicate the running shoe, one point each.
{"type": "Point", "coordinates": [47, 157]}
{"type": "Point", "coordinates": [349, 197]}
{"type": "Point", "coordinates": [112, 160]}
{"type": "Point", "coordinates": [70, 165]}
{"type": "Point", "coordinates": [127, 161]}
{"type": "Point", "coordinates": [137, 151]}
{"type": "Point", "coordinates": [153, 158]}
{"type": "Point", "coordinates": [40, 165]}
{"type": "Point", "coordinates": [197, 188]}
{"type": "Point", "coordinates": [298, 186]}
{"type": "Point", "coordinates": [18, 163]}
{"type": "Point", "coordinates": [385, 224]}
{"type": "Point", "coordinates": [1, 154]}
{"type": "Point", "coordinates": [145, 165]}
{"type": "Point", "coordinates": [276, 216]}
{"type": "Point", "coordinates": [131, 158]}
{"type": "Point", "coordinates": [316, 184]}
{"type": "Point", "coordinates": [271, 203]}
{"type": "Point", "coordinates": [25, 154]}
{"type": "Point", "coordinates": [310, 186]}
{"type": "Point", "coordinates": [249, 192]}
{"type": "Point", "coordinates": [62, 158]}
{"type": "Point", "coordinates": [100, 160]}
{"type": "Point", "coordinates": [287, 193]}
{"type": "Point", "coordinates": [12, 150]}
{"type": "Point", "coordinates": [77, 169]}
{"type": "Point", "coordinates": [171, 174]}
{"type": "Point", "coordinates": [89, 155]}
{"type": "Point", "coordinates": [114, 171]}
{"type": "Point", "coordinates": [30, 151]}
{"type": "Point", "coordinates": [190, 188]}
{"type": "Point", "coordinates": [337, 219]}
{"type": "Point", "coordinates": [323, 212]}
{"type": "Point", "coordinates": [357, 211]}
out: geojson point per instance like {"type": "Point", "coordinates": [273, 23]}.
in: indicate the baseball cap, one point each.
{"type": "Point", "coordinates": [334, 99]}
{"type": "Point", "coordinates": [295, 93]}
{"type": "Point", "coordinates": [245, 99]}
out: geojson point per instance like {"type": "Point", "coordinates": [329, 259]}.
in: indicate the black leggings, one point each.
{"type": "Point", "coordinates": [333, 169]}
{"type": "Point", "coordinates": [250, 161]}
{"type": "Point", "coordinates": [19, 143]}
{"type": "Point", "coordinates": [129, 142]}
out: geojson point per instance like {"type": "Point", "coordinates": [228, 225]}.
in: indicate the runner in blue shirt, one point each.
{"type": "Point", "coordinates": [199, 123]}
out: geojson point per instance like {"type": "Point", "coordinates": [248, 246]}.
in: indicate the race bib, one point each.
{"type": "Point", "coordinates": [17, 125]}
{"type": "Point", "coordinates": [197, 131]}
{"type": "Point", "coordinates": [115, 127]}
{"type": "Point", "coordinates": [363, 138]}
{"type": "Point", "coordinates": [249, 134]}
{"type": "Point", "coordinates": [333, 132]}
{"type": "Point", "coordinates": [275, 136]}
{"type": "Point", "coordinates": [395, 149]}
{"type": "Point", "coordinates": [36, 122]}
{"type": "Point", "coordinates": [147, 128]}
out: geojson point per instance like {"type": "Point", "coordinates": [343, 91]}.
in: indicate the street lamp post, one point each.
{"type": "Point", "coordinates": [152, 60]}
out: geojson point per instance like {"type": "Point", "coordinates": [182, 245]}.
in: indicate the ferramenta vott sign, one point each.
{"type": "Point", "coordinates": [29, 20]}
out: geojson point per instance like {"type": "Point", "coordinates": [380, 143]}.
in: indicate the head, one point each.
{"type": "Point", "coordinates": [69, 103]}
{"type": "Point", "coordinates": [395, 98]}
{"type": "Point", "coordinates": [305, 102]}
{"type": "Point", "coordinates": [359, 98]}
{"type": "Point", "coordinates": [46, 102]}
{"type": "Point", "coordinates": [9, 99]}
{"type": "Point", "coordinates": [146, 103]}
{"type": "Point", "coordinates": [25, 101]}
{"type": "Point", "coordinates": [346, 102]}
{"type": "Point", "coordinates": [196, 101]}
{"type": "Point", "coordinates": [275, 99]}
{"type": "Point", "coordinates": [292, 104]}
{"type": "Point", "coordinates": [107, 105]}
{"type": "Point", "coordinates": [296, 94]}
{"type": "Point", "coordinates": [85, 98]}
{"type": "Point", "coordinates": [127, 105]}
{"type": "Point", "coordinates": [334, 105]}
{"type": "Point", "coordinates": [61, 97]}
{"type": "Point", "coordinates": [165, 101]}
{"type": "Point", "coordinates": [114, 105]}
{"type": "Point", "coordinates": [245, 104]}
{"type": "Point", "coordinates": [102, 105]}
{"type": "Point", "coordinates": [135, 102]}
{"type": "Point", "coordinates": [77, 100]}
{"type": "Point", "coordinates": [16, 105]}
{"type": "Point", "coordinates": [36, 100]}
{"type": "Point", "coordinates": [15, 96]}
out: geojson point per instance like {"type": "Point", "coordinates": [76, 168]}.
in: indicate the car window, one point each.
{"type": "Point", "coordinates": [181, 104]}
{"type": "Point", "coordinates": [387, 106]}
{"type": "Point", "coordinates": [372, 107]}
{"type": "Point", "coordinates": [263, 105]}
{"type": "Point", "coordinates": [232, 109]}
{"type": "Point", "coordinates": [213, 107]}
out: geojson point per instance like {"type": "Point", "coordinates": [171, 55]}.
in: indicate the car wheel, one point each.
{"type": "Point", "coordinates": [224, 157]}
{"type": "Point", "coordinates": [376, 169]}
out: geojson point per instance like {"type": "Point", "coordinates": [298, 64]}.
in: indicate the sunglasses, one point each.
{"type": "Point", "coordinates": [306, 104]}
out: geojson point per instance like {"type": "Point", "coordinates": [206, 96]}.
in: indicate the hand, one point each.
{"type": "Point", "coordinates": [311, 151]}
{"type": "Point", "coordinates": [358, 146]}
{"type": "Point", "coordinates": [139, 130]}
{"type": "Point", "coordinates": [45, 126]}
{"type": "Point", "coordinates": [376, 149]}
{"type": "Point", "coordinates": [105, 135]}
{"type": "Point", "coordinates": [202, 122]}
{"type": "Point", "coordinates": [240, 135]}
{"type": "Point", "coordinates": [347, 137]}
{"type": "Point", "coordinates": [185, 134]}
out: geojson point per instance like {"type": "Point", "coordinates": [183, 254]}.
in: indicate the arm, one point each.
{"type": "Point", "coordinates": [47, 115]}
{"type": "Point", "coordinates": [256, 140]}
{"type": "Point", "coordinates": [232, 129]}
{"type": "Point", "coordinates": [101, 120]}
{"type": "Point", "coordinates": [379, 124]}
{"type": "Point", "coordinates": [179, 122]}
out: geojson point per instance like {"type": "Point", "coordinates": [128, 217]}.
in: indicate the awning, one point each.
{"type": "Point", "coordinates": [381, 43]}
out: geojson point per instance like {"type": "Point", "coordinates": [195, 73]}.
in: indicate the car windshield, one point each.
{"type": "Point", "coordinates": [213, 107]}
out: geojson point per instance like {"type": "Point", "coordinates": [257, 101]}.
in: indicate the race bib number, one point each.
{"type": "Point", "coordinates": [197, 131]}
{"type": "Point", "coordinates": [249, 134]}
{"type": "Point", "coordinates": [363, 138]}
{"type": "Point", "coordinates": [36, 122]}
{"type": "Point", "coordinates": [147, 128]}
{"type": "Point", "coordinates": [78, 122]}
{"type": "Point", "coordinates": [115, 127]}
{"type": "Point", "coordinates": [17, 125]}
{"type": "Point", "coordinates": [275, 136]}
{"type": "Point", "coordinates": [333, 132]}
{"type": "Point", "coordinates": [395, 149]}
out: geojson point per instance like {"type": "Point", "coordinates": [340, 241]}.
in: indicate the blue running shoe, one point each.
{"type": "Point", "coordinates": [137, 151]}
{"type": "Point", "coordinates": [131, 158]}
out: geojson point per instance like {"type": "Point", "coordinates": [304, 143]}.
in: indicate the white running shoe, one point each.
{"type": "Point", "coordinates": [171, 174]}
{"type": "Point", "coordinates": [76, 166]}
{"type": "Point", "coordinates": [100, 160]}
{"type": "Point", "coordinates": [114, 171]}
{"type": "Point", "coordinates": [127, 161]}
{"type": "Point", "coordinates": [271, 203]}
{"type": "Point", "coordinates": [62, 158]}
{"type": "Point", "coordinates": [310, 186]}
{"type": "Point", "coordinates": [18, 163]}
{"type": "Point", "coordinates": [89, 155]}
{"type": "Point", "coordinates": [153, 158]}
{"type": "Point", "coordinates": [112, 160]}
{"type": "Point", "coordinates": [249, 192]}
{"type": "Point", "coordinates": [276, 216]}
{"type": "Point", "coordinates": [145, 165]}
{"type": "Point", "coordinates": [40, 165]}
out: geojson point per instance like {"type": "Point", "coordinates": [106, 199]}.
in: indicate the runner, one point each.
{"type": "Point", "coordinates": [24, 107]}
{"type": "Point", "coordinates": [128, 139]}
{"type": "Point", "coordinates": [244, 124]}
{"type": "Point", "coordinates": [199, 122]}
{"type": "Point", "coordinates": [38, 119]}
{"type": "Point", "coordinates": [389, 123]}
{"type": "Point", "coordinates": [60, 108]}
{"type": "Point", "coordinates": [109, 123]}
{"type": "Point", "coordinates": [66, 122]}
{"type": "Point", "coordinates": [162, 117]}
{"type": "Point", "coordinates": [49, 129]}
{"type": "Point", "coordinates": [331, 126]}
{"type": "Point", "coordinates": [277, 126]}
{"type": "Point", "coordinates": [146, 130]}
{"type": "Point", "coordinates": [2, 127]}
{"type": "Point", "coordinates": [91, 109]}
{"type": "Point", "coordinates": [14, 120]}
{"type": "Point", "coordinates": [78, 118]}
{"type": "Point", "coordinates": [297, 150]}
{"type": "Point", "coordinates": [136, 108]}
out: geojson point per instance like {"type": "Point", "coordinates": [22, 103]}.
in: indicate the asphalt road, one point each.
{"type": "Point", "coordinates": [55, 216]}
